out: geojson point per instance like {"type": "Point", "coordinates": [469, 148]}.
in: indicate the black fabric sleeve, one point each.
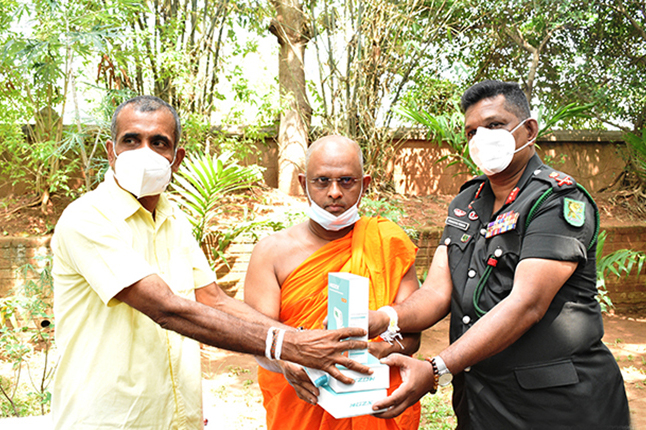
{"type": "Point", "coordinates": [551, 236]}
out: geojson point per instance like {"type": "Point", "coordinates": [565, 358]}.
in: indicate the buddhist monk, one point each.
{"type": "Point", "coordinates": [288, 273]}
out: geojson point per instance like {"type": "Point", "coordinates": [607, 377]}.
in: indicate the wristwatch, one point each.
{"type": "Point", "coordinates": [444, 376]}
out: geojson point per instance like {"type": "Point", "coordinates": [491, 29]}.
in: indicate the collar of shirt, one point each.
{"type": "Point", "coordinates": [484, 203]}
{"type": "Point", "coordinates": [124, 205]}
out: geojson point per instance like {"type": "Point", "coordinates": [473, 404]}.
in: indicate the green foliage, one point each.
{"type": "Point", "coordinates": [445, 128]}
{"type": "Point", "coordinates": [372, 205]}
{"type": "Point", "coordinates": [437, 412]}
{"type": "Point", "coordinates": [620, 263]}
{"type": "Point", "coordinates": [204, 181]}
{"type": "Point", "coordinates": [637, 149]}
{"type": "Point", "coordinates": [561, 115]}
{"type": "Point", "coordinates": [222, 236]}
{"type": "Point", "coordinates": [369, 54]}
{"type": "Point", "coordinates": [40, 54]}
{"type": "Point", "coordinates": [449, 129]}
{"type": "Point", "coordinates": [26, 338]}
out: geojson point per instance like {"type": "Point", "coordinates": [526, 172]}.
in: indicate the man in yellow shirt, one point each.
{"type": "Point", "coordinates": [131, 286]}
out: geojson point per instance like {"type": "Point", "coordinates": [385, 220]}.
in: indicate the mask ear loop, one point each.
{"type": "Point", "coordinates": [525, 145]}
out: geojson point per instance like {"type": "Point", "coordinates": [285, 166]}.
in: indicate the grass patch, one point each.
{"type": "Point", "coordinates": [437, 411]}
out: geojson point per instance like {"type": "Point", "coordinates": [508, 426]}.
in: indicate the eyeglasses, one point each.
{"type": "Point", "coordinates": [323, 182]}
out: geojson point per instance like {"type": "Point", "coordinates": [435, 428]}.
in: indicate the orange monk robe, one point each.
{"type": "Point", "coordinates": [377, 249]}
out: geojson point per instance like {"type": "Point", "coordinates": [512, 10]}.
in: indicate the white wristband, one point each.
{"type": "Point", "coordinates": [392, 333]}
{"type": "Point", "coordinates": [279, 343]}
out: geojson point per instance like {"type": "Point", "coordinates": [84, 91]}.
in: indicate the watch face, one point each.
{"type": "Point", "coordinates": [444, 379]}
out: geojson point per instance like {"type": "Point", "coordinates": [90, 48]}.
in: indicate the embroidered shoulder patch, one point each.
{"type": "Point", "coordinates": [574, 212]}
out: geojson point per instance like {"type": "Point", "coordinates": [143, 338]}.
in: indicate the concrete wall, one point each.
{"type": "Point", "coordinates": [624, 292]}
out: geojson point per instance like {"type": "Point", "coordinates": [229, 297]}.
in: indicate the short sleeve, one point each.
{"type": "Point", "coordinates": [563, 228]}
{"type": "Point", "coordinates": [98, 251]}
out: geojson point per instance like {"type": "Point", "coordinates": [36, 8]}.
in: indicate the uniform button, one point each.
{"type": "Point", "coordinates": [466, 319]}
{"type": "Point", "coordinates": [537, 171]}
{"type": "Point", "coordinates": [447, 241]}
{"type": "Point", "coordinates": [483, 231]}
{"type": "Point", "coordinates": [471, 273]}
{"type": "Point", "coordinates": [467, 369]}
{"type": "Point", "coordinates": [497, 253]}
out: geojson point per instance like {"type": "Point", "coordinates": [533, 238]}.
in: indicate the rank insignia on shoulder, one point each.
{"type": "Point", "coordinates": [574, 212]}
{"type": "Point", "coordinates": [503, 223]}
{"type": "Point", "coordinates": [465, 238]}
{"type": "Point", "coordinates": [566, 180]}
{"type": "Point", "coordinates": [459, 212]}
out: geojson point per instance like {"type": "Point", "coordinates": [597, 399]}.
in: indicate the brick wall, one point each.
{"type": "Point", "coordinates": [625, 293]}
{"type": "Point", "coordinates": [15, 252]}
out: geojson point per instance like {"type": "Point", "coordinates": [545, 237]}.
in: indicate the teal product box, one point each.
{"type": "Point", "coordinates": [352, 404]}
{"type": "Point", "coordinates": [347, 306]}
{"type": "Point", "coordinates": [379, 379]}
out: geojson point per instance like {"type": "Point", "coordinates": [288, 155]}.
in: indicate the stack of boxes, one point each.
{"type": "Point", "coordinates": [348, 297]}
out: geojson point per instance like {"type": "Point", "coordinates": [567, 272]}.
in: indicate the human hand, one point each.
{"type": "Point", "coordinates": [379, 349]}
{"type": "Point", "coordinates": [323, 349]}
{"type": "Point", "coordinates": [377, 323]}
{"type": "Point", "coordinates": [297, 377]}
{"type": "Point", "coordinates": [418, 378]}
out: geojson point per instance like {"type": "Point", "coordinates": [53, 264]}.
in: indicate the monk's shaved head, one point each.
{"type": "Point", "coordinates": [334, 144]}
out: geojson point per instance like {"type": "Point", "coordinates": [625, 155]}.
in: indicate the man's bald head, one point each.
{"type": "Point", "coordinates": [334, 144]}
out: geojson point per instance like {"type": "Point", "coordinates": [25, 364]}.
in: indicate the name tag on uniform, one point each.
{"type": "Point", "coordinates": [462, 225]}
{"type": "Point", "coordinates": [502, 223]}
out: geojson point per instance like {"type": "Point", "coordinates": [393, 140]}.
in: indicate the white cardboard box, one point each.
{"type": "Point", "coordinates": [380, 378]}
{"type": "Point", "coordinates": [347, 306]}
{"type": "Point", "coordinates": [346, 405]}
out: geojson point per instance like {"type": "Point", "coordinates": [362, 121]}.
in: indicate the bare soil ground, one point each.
{"type": "Point", "coordinates": [232, 398]}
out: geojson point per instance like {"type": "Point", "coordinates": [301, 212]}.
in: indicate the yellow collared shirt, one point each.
{"type": "Point", "coordinates": [118, 369]}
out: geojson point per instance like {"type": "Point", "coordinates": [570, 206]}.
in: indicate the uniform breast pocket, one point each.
{"type": "Point", "coordinates": [506, 249]}
{"type": "Point", "coordinates": [458, 245]}
{"type": "Point", "coordinates": [181, 272]}
{"type": "Point", "coordinates": [547, 375]}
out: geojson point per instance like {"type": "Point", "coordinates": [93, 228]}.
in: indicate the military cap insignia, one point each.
{"type": "Point", "coordinates": [574, 212]}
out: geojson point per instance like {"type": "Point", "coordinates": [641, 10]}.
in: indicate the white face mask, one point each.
{"type": "Point", "coordinates": [143, 172]}
{"type": "Point", "coordinates": [331, 222]}
{"type": "Point", "coordinates": [493, 150]}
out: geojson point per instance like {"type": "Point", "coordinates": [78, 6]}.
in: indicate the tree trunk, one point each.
{"type": "Point", "coordinates": [292, 31]}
